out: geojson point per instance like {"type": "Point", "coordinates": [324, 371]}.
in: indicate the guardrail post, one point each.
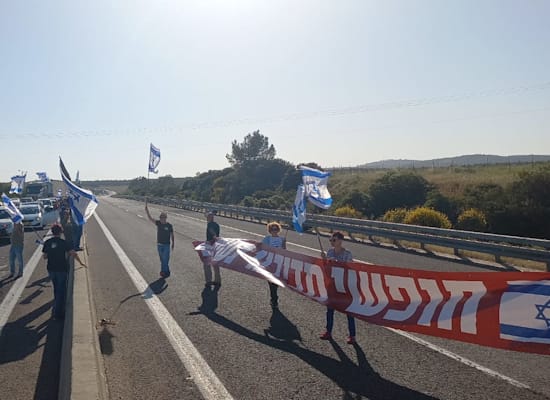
{"type": "Point", "coordinates": [456, 252]}
{"type": "Point", "coordinates": [498, 259]}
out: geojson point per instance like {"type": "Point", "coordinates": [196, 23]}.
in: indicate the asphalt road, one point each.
{"type": "Point", "coordinates": [174, 340]}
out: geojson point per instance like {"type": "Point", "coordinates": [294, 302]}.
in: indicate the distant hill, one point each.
{"type": "Point", "coordinates": [465, 160]}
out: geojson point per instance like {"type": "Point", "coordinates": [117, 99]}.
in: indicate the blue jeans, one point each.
{"type": "Point", "coordinates": [16, 253]}
{"type": "Point", "coordinates": [330, 322]}
{"type": "Point", "coordinates": [59, 281]}
{"type": "Point", "coordinates": [164, 254]}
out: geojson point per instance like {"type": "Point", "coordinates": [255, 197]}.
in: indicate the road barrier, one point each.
{"type": "Point", "coordinates": [496, 245]}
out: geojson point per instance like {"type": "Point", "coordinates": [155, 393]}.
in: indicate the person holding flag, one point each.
{"type": "Point", "coordinates": [17, 237]}
{"type": "Point", "coordinates": [337, 253]}
{"type": "Point", "coordinates": [165, 235]}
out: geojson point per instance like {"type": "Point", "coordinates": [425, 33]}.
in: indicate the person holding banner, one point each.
{"type": "Point", "coordinates": [274, 240]}
{"type": "Point", "coordinates": [212, 233]}
{"type": "Point", "coordinates": [165, 235]}
{"type": "Point", "coordinates": [338, 253]}
{"type": "Point", "coordinates": [16, 248]}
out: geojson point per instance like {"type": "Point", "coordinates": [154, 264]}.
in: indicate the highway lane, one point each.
{"type": "Point", "coordinates": [30, 342]}
{"type": "Point", "coordinates": [257, 354]}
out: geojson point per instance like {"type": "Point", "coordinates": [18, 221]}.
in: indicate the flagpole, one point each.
{"type": "Point", "coordinates": [319, 240]}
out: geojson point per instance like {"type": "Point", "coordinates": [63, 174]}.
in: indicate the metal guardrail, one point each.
{"type": "Point", "coordinates": [497, 245]}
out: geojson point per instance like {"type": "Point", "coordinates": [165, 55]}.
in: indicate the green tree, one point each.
{"type": "Point", "coordinates": [397, 190]}
{"type": "Point", "coordinates": [255, 146]}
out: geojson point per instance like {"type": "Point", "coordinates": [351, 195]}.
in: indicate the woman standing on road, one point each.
{"type": "Point", "coordinates": [338, 253]}
{"type": "Point", "coordinates": [274, 240]}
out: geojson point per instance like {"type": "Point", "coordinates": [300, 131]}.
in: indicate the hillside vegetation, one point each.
{"type": "Point", "coordinates": [509, 199]}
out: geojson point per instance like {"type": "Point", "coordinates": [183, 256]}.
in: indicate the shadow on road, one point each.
{"type": "Point", "coordinates": [357, 379]}
{"type": "Point", "coordinates": [21, 338]}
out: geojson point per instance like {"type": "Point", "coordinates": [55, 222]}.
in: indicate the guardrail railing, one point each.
{"type": "Point", "coordinates": [497, 245]}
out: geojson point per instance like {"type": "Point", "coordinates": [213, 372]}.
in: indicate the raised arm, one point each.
{"type": "Point", "coordinates": [149, 214]}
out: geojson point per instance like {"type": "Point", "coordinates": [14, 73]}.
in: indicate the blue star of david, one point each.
{"type": "Point", "coordinates": [540, 315]}
{"type": "Point", "coordinates": [76, 196]}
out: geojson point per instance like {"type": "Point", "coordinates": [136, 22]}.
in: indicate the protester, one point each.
{"type": "Point", "coordinates": [274, 240]}
{"type": "Point", "coordinates": [165, 235]}
{"type": "Point", "coordinates": [55, 252]}
{"type": "Point", "coordinates": [338, 253]}
{"type": "Point", "coordinates": [16, 249]}
{"type": "Point", "coordinates": [212, 233]}
{"type": "Point", "coordinates": [67, 223]}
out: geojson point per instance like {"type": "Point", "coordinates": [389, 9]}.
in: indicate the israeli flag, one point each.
{"type": "Point", "coordinates": [12, 210]}
{"type": "Point", "coordinates": [315, 184]}
{"type": "Point", "coordinates": [299, 209]}
{"type": "Point", "coordinates": [43, 177]}
{"type": "Point", "coordinates": [59, 192]}
{"type": "Point", "coordinates": [17, 183]}
{"type": "Point", "coordinates": [154, 159]}
{"type": "Point", "coordinates": [525, 312]}
{"type": "Point", "coordinates": [83, 202]}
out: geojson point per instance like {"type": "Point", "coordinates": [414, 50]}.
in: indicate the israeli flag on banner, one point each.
{"type": "Point", "coordinates": [43, 177]}
{"type": "Point", "coordinates": [82, 201]}
{"type": "Point", "coordinates": [154, 159]}
{"type": "Point", "coordinates": [315, 184]}
{"type": "Point", "coordinates": [525, 312]}
{"type": "Point", "coordinates": [17, 183]}
{"type": "Point", "coordinates": [299, 209]}
{"type": "Point", "coordinates": [12, 210]}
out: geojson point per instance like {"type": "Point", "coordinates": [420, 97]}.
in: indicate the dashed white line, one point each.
{"type": "Point", "coordinates": [203, 376]}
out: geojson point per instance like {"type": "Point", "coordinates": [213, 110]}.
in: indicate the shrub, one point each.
{"type": "Point", "coordinates": [396, 215]}
{"type": "Point", "coordinates": [472, 220]}
{"type": "Point", "coordinates": [427, 217]}
{"type": "Point", "coordinates": [347, 211]}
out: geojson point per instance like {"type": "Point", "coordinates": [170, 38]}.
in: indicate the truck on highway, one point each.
{"type": "Point", "coordinates": [38, 190]}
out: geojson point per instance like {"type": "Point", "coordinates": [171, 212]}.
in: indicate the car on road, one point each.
{"type": "Point", "coordinates": [6, 225]}
{"type": "Point", "coordinates": [32, 216]}
{"type": "Point", "coordinates": [25, 200]}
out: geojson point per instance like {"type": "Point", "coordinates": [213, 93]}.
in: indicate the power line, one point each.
{"type": "Point", "coordinates": [336, 112]}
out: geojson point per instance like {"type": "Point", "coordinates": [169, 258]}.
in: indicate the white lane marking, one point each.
{"type": "Point", "coordinates": [204, 377]}
{"type": "Point", "coordinates": [459, 358]}
{"type": "Point", "coordinates": [140, 216]}
{"type": "Point", "coordinates": [14, 294]}
{"type": "Point", "coordinates": [410, 336]}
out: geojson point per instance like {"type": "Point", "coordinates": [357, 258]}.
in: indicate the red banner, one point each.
{"type": "Point", "coordinates": [508, 310]}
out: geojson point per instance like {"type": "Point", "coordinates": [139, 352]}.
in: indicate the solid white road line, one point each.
{"type": "Point", "coordinates": [13, 295]}
{"type": "Point", "coordinates": [410, 336]}
{"type": "Point", "coordinates": [459, 358]}
{"type": "Point", "coordinates": [203, 376]}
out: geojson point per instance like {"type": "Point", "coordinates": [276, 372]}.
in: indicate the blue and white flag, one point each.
{"type": "Point", "coordinates": [17, 183]}
{"type": "Point", "coordinates": [299, 209]}
{"type": "Point", "coordinates": [12, 210]}
{"type": "Point", "coordinates": [59, 193]}
{"type": "Point", "coordinates": [83, 202]}
{"type": "Point", "coordinates": [154, 159]}
{"type": "Point", "coordinates": [315, 184]}
{"type": "Point", "coordinates": [525, 312]}
{"type": "Point", "coordinates": [43, 177]}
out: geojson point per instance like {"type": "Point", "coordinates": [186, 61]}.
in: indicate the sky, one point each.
{"type": "Point", "coordinates": [339, 83]}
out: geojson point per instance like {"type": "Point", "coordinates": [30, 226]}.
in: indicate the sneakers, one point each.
{"type": "Point", "coordinates": [350, 340]}
{"type": "Point", "coordinates": [325, 336]}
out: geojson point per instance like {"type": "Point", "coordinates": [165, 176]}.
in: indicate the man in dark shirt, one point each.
{"type": "Point", "coordinates": [165, 234]}
{"type": "Point", "coordinates": [212, 233]}
{"type": "Point", "coordinates": [55, 252]}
